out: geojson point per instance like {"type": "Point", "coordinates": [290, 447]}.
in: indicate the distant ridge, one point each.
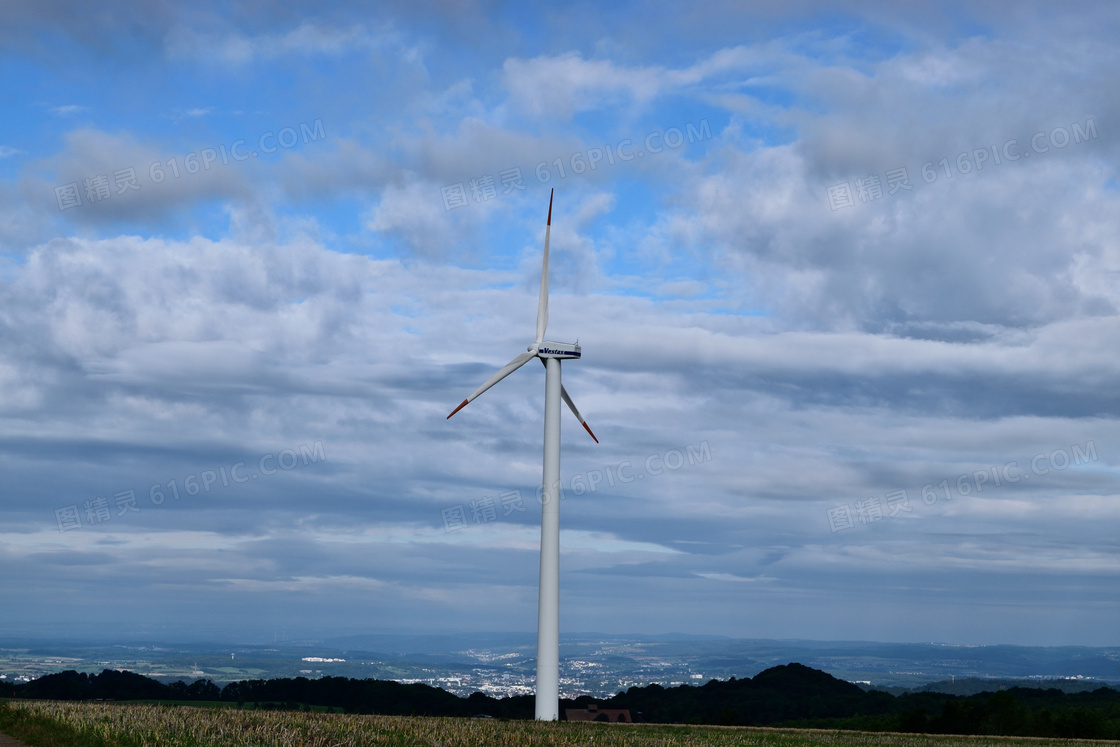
{"type": "Point", "coordinates": [442, 644]}
{"type": "Point", "coordinates": [973, 685]}
{"type": "Point", "coordinates": [432, 658]}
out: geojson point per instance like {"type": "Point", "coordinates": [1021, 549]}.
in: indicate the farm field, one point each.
{"type": "Point", "coordinates": [60, 724]}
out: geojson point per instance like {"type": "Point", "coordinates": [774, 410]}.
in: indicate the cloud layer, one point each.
{"type": "Point", "coordinates": [843, 280]}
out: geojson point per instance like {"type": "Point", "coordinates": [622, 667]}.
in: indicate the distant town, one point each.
{"type": "Point", "coordinates": [600, 666]}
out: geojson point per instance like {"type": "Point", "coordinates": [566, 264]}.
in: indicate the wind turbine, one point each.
{"type": "Point", "coordinates": [548, 604]}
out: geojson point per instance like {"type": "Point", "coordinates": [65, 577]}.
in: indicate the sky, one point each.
{"type": "Point", "coordinates": [844, 277]}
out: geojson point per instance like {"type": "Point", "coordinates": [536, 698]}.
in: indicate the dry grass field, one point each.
{"type": "Point", "coordinates": [126, 725]}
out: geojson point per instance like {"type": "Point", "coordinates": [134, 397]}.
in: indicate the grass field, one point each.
{"type": "Point", "coordinates": [72, 724]}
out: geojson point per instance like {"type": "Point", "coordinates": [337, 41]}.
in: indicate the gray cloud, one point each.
{"type": "Point", "coordinates": [819, 358]}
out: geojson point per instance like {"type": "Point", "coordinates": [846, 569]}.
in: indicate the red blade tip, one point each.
{"type": "Point", "coordinates": [585, 427]}
{"type": "Point", "coordinates": [550, 206]}
{"type": "Point", "coordinates": [464, 404]}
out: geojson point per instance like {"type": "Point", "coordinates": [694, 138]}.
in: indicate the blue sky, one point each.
{"type": "Point", "coordinates": [844, 277]}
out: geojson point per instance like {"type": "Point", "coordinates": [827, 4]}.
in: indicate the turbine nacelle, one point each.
{"type": "Point", "coordinates": [553, 349]}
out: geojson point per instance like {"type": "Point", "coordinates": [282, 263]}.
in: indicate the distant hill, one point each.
{"type": "Point", "coordinates": [974, 685]}
{"type": "Point", "coordinates": [784, 693]}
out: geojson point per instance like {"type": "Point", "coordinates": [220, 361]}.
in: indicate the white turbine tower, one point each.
{"type": "Point", "coordinates": [548, 605]}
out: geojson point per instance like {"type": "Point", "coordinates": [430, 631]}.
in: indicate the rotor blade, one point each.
{"type": "Point", "coordinates": [542, 304]}
{"type": "Point", "coordinates": [568, 400]}
{"type": "Point", "coordinates": [506, 370]}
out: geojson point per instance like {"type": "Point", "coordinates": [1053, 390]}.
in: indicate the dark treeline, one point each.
{"type": "Point", "coordinates": [349, 695]}
{"type": "Point", "coordinates": [790, 695]}
{"type": "Point", "coordinates": [795, 695]}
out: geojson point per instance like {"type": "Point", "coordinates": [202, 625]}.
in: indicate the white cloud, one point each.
{"type": "Point", "coordinates": [69, 109]}
{"type": "Point", "coordinates": [309, 38]}
{"type": "Point", "coordinates": [563, 85]}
